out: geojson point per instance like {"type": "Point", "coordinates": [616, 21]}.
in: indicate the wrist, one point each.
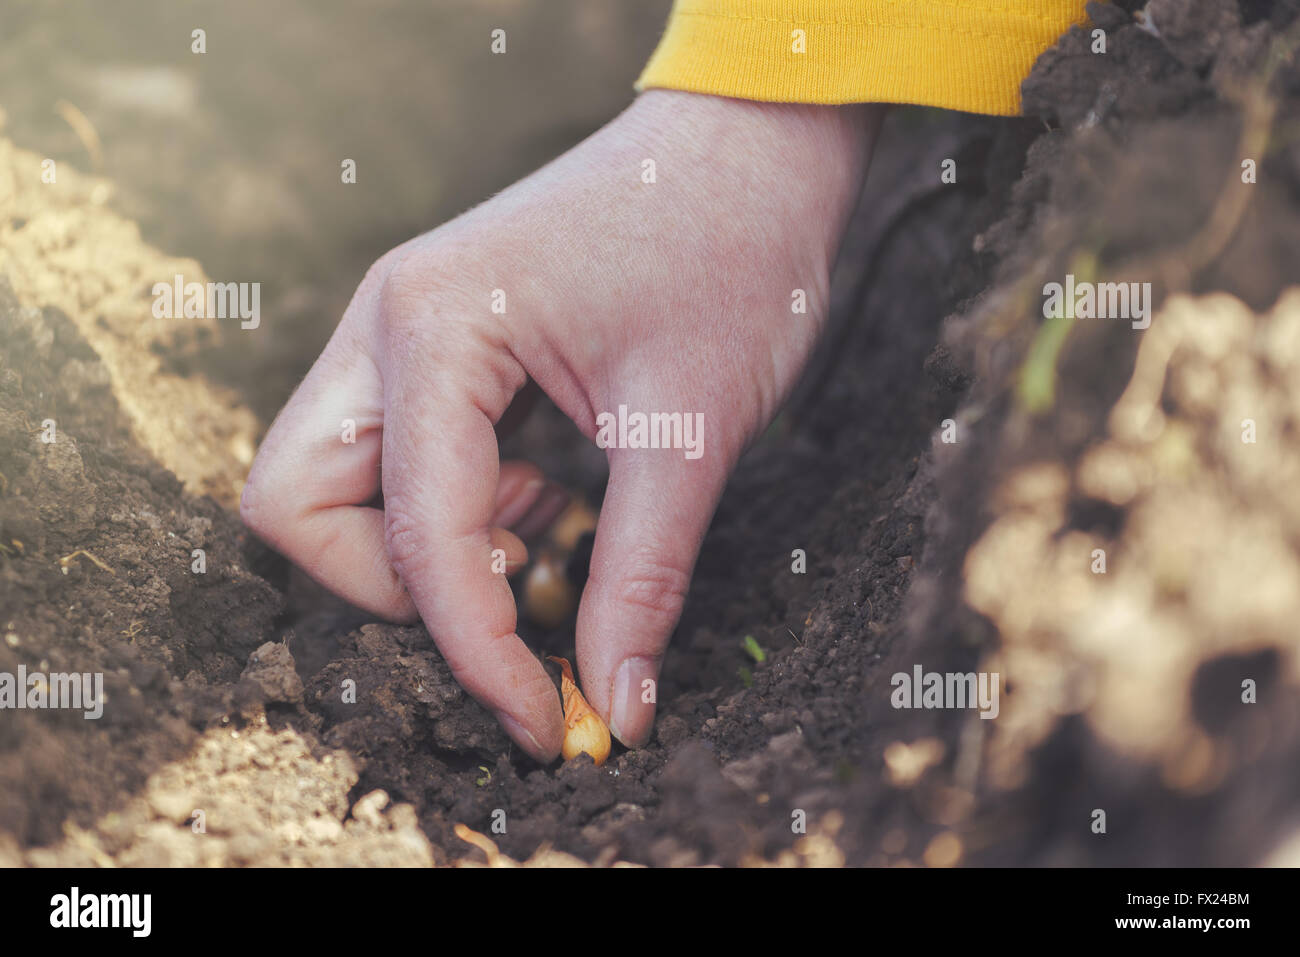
{"type": "Point", "coordinates": [804, 161]}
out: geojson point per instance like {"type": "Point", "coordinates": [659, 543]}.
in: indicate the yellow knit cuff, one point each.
{"type": "Point", "coordinates": [960, 54]}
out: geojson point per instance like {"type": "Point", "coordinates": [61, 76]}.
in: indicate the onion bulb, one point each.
{"type": "Point", "coordinates": [583, 728]}
{"type": "Point", "coordinates": [549, 596]}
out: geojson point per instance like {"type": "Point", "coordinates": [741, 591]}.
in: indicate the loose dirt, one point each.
{"type": "Point", "coordinates": [226, 737]}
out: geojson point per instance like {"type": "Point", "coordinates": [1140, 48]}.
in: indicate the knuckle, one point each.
{"type": "Point", "coordinates": [254, 510]}
{"type": "Point", "coordinates": [370, 291]}
{"type": "Point", "coordinates": [406, 277]}
{"type": "Point", "coordinates": [379, 270]}
{"type": "Point", "coordinates": [654, 586]}
{"type": "Point", "coordinates": [403, 537]}
{"type": "Point", "coordinates": [269, 509]}
{"type": "Point", "coordinates": [412, 281]}
{"type": "Point", "coordinates": [426, 293]}
{"type": "Point", "coordinates": [401, 300]}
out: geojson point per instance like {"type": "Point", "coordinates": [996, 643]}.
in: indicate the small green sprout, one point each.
{"type": "Point", "coordinates": [1036, 385]}
{"type": "Point", "coordinates": [754, 650]}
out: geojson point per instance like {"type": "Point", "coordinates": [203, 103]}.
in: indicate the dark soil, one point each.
{"type": "Point", "coordinates": [224, 687]}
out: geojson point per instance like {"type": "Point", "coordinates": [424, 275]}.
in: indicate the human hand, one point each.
{"type": "Point", "coordinates": [670, 296]}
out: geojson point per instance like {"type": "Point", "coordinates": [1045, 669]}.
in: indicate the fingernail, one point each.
{"type": "Point", "coordinates": [514, 503]}
{"type": "Point", "coordinates": [549, 504]}
{"type": "Point", "coordinates": [632, 706]}
{"type": "Point", "coordinates": [521, 736]}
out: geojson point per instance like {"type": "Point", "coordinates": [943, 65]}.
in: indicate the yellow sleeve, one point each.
{"type": "Point", "coordinates": [960, 54]}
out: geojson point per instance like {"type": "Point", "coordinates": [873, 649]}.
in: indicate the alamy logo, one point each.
{"type": "Point", "coordinates": [77, 691]}
{"type": "Point", "coordinates": [74, 909]}
{"type": "Point", "coordinates": [933, 689]}
{"type": "Point", "coordinates": [653, 430]}
{"type": "Point", "coordinates": [1103, 300]}
{"type": "Point", "coordinates": [214, 300]}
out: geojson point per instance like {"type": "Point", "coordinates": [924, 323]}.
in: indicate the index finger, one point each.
{"type": "Point", "coordinates": [440, 477]}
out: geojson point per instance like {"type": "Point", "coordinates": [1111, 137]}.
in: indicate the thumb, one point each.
{"type": "Point", "coordinates": [656, 510]}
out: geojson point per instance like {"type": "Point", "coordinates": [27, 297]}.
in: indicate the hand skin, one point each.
{"type": "Point", "coordinates": [672, 296]}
